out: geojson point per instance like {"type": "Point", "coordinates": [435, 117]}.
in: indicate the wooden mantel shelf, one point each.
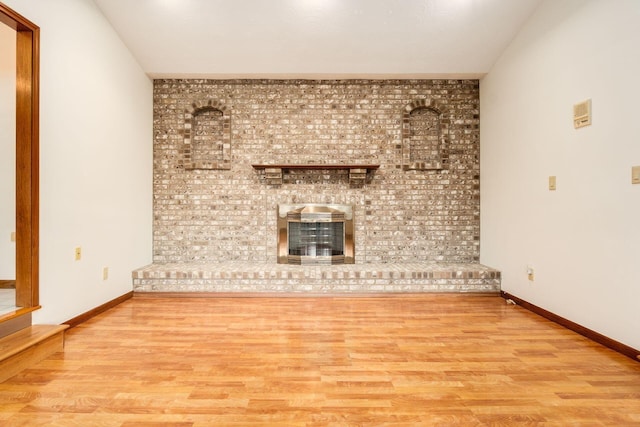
{"type": "Point", "coordinates": [357, 172]}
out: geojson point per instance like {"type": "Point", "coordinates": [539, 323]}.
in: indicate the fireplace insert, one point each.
{"type": "Point", "coordinates": [315, 234]}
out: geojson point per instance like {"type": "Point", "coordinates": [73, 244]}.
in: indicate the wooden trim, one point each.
{"type": "Point", "coordinates": [35, 168]}
{"type": "Point", "coordinates": [302, 295]}
{"type": "Point", "coordinates": [14, 20]}
{"type": "Point", "coordinates": [98, 310]}
{"type": "Point", "coordinates": [585, 332]}
{"type": "Point", "coordinates": [26, 177]}
{"type": "Point", "coordinates": [27, 155]}
{"type": "Point", "coordinates": [7, 284]}
{"type": "Point", "coordinates": [7, 17]}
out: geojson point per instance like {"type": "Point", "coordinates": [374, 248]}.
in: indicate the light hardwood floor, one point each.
{"type": "Point", "coordinates": [446, 360]}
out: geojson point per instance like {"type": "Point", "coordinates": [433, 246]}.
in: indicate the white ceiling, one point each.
{"type": "Point", "coordinates": [317, 38]}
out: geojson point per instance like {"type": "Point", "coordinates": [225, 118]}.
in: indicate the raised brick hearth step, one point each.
{"type": "Point", "coordinates": [348, 278]}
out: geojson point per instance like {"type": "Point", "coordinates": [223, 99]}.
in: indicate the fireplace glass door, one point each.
{"type": "Point", "coordinates": [316, 238]}
{"type": "Point", "coordinates": [315, 234]}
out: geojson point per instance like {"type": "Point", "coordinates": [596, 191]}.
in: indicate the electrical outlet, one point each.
{"type": "Point", "coordinates": [78, 253]}
{"type": "Point", "coordinates": [105, 273]}
{"type": "Point", "coordinates": [530, 273]}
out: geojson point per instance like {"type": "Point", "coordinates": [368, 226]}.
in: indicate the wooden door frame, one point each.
{"type": "Point", "coordinates": [27, 156]}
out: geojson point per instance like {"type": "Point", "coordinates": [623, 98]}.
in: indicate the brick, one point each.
{"type": "Point", "coordinates": [213, 215]}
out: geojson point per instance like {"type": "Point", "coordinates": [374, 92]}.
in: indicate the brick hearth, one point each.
{"type": "Point", "coordinates": [348, 279]}
{"type": "Point", "coordinates": [416, 206]}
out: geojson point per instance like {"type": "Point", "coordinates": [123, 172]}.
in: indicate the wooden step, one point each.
{"type": "Point", "coordinates": [29, 346]}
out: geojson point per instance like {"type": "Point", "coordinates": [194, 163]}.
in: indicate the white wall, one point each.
{"type": "Point", "coordinates": [95, 158]}
{"type": "Point", "coordinates": [582, 239]}
{"type": "Point", "coordinates": [7, 151]}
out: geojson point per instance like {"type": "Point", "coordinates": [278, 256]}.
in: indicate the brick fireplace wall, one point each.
{"type": "Point", "coordinates": [401, 214]}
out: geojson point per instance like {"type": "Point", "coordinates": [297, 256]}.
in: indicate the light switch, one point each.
{"type": "Point", "coordinates": [13, 236]}
{"type": "Point", "coordinates": [635, 175]}
{"type": "Point", "coordinates": [552, 183]}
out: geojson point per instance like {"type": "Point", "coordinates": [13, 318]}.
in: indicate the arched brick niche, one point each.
{"type": "Point", "coordinates": [424, 134]}
{"type": "Point", "coordinates": [207, 136]}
